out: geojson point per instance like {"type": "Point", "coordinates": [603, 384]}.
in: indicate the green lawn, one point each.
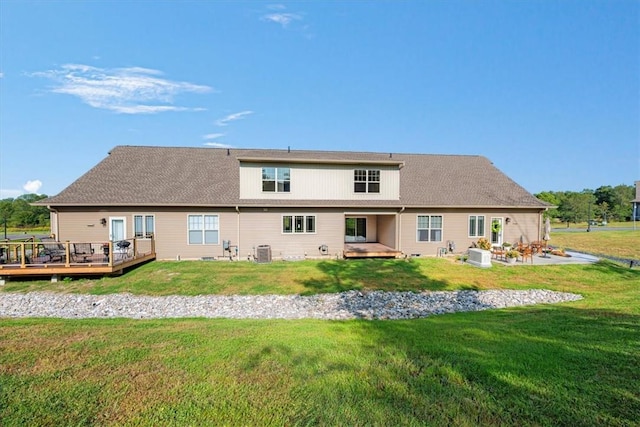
{"type": "Point", "coordinates": [572, 364]}
{"type": "Point", "coordinates": [618, 243]}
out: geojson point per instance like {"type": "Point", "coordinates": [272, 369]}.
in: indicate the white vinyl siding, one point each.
{"type": "Point", "coordinates": [429, 228]}
{"type": "Point", "coordinates": [318, 182]}
{"type": "Point", "coordinates": [203, 229]}
{"type": "Point", "coordinates": [476, 225]}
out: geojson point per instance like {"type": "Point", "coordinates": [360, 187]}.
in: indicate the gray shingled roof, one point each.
{"type": "Point", "coordinates": [181, 176]}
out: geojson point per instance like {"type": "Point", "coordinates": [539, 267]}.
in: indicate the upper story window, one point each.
{"type": "Point", "coordinates": [143, 226]}
{"type": "Point", "coordinates": [276, 180]}
{"type": "Point", "coordinates": [366, 181]}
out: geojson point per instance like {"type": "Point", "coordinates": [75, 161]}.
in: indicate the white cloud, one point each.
{"type": "Point", "coordinates": [233, 117]}
{"type": "Point", "coordinates": [32, 186]}
{"type": "Point", "coordinates": [212, 135]}
{"type": "Point", "coordinates": [133, 90]}
{"type": "Point", "coordinates": [276, 7]}
{"type": "Point", "coordinates": [217, 145]}
{"type": "Point", "coordinates": [283, 18]}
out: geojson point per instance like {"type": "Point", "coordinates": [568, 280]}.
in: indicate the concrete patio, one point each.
{"type": "Point", "coordinates": [549, 259]}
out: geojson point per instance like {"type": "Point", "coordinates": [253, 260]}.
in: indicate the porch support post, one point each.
{"type": "Point", "coordinates": [67, 253]}
{"type": "Point", "coordinates": [110, 253]}
{"type": "Point", "coordinates": [23, 258]}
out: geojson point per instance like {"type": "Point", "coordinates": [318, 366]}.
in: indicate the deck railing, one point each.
{"type": "Point", "coordinates": [49, 253]}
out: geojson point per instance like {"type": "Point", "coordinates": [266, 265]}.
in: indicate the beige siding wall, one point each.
{"type": "Point", "coordinates": [259, 227]}
{"type": "Point", "coordinates": [253, 227]}
{"type": "Point", "coordinates": [170, 229]}
{"type": "Point", "coordinates": [387, 230]}
{"type": "Point", "coordinates": [319, 182]}
{"type": "Point", "coordinates": [522, 225]}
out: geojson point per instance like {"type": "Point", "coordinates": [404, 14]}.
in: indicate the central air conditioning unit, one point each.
{"type": "Point", "coordinates": [263, 254]}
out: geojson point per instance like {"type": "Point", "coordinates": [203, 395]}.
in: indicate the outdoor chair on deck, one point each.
{"type": "Point", "coordinates": [54, 250]}
{"type": "Point", "coordinates": [82, 252]}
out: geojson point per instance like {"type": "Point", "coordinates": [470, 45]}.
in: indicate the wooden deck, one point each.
{"type": "Point", "coordinates": [54, 259]}
{"type": "Point", "coordinates": [369, 250]}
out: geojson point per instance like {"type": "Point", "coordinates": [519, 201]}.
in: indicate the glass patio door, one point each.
{"type": "Point", "coordinates": [496, 231]}
{"type": "Point", "coordinates": [117, 228]}
{"type": "Point", "coordinates": [355, 230]}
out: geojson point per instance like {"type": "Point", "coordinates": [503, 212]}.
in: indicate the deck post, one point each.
{"type": "Point", "coordinates": [23, 258]}
{"type": "Point", "coordinates": [66, 252]}
{"type": "Point", "coordinates": [110, 253]}
{"type": "Point", "coordinates": [135, 247]}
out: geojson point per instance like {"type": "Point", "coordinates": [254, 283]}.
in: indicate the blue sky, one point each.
{"type": "Point", "coordinates": [547, 90]}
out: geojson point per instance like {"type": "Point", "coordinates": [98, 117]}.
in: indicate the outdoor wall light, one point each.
{"type": "Point", "coordinates": [103, 221]}
{"type": "Point", "coordinates": [508, 220]}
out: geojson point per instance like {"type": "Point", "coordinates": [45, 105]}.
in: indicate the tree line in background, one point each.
{"type": "Point", "coordinates": [18, 212]}
{"type": "Point", "coordinates": [605, 204]}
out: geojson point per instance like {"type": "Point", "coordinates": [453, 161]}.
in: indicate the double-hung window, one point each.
{"type": "Point", "coordinates": [276, 180]}
{"type": "Point", "coordinates": [366, 181]}
{"type": "Point", "coordinates": [143, 226]}
{"type": "Point", "coordinates": [476, 225]}
{"type": "Point", "coordinates": [203, 229]}
{"type": "Point", "coordinates": [429, 228]}
{"type": "Point", "coordinates": [298, 224]}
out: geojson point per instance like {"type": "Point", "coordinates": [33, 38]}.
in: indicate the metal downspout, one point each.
{"type": "Point", "coordinates": [238, 232]}
{"type": "Point", "coordinates": [399, 229]}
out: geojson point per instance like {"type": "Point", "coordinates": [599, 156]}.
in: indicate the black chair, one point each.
{"type": "Point", "coordinates": [54, 250]}
{"type": "Point", "coordinates": [82, 252]}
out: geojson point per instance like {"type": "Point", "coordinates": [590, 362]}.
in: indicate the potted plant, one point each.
{"type": "Point", "coordinates": [512, 255]}
{"type": "Point", "coordinates": [484, 244]}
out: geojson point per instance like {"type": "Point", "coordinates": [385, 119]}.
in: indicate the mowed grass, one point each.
{"type": "Point", "coordinates": [618, 243]}
{"type": "Point", "coordinates": [565, 364]}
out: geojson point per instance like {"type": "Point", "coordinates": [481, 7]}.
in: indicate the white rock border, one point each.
{"type": "Point", "coordinates": [341, 306]}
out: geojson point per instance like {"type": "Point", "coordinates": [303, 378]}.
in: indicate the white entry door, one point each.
{"type": "Point", "coordinates": [117, 228]}
{"type": "Point", "coordinates": [496, 231]}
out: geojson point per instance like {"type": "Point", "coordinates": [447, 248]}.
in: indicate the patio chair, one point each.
{"type": "Point", "coordinates": [54, 250]}
{"type": "Point", "coordinates": [527, 252]}
{"type": "Point", "coordinates": [82, 252]}
{"type": "Point", "coordinates": [498, 252]}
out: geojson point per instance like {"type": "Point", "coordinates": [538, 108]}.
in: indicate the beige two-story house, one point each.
{"type": "Point", "coordinates": [233, 203]}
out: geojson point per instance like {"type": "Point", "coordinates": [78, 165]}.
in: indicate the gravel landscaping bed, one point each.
{"type": "Point", "coordinates": [341, 306]}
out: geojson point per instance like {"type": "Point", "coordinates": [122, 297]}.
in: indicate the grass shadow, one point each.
{"type": "Point", "coordinates": [551, 365]}
{"type": "Point", "coordinates": [370, 274]}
